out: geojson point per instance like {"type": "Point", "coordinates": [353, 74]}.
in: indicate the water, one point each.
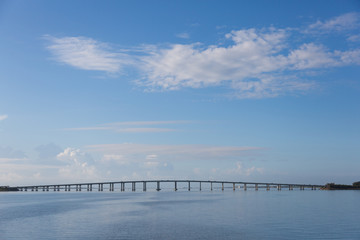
{"type": "Point", "coordinates": [181, 215]}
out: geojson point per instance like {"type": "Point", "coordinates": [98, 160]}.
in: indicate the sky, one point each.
{"type": "Point", "coordinates": [265, 91]}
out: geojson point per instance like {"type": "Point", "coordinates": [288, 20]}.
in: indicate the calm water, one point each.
{"type": "Point", "coordinates": [181, 215]}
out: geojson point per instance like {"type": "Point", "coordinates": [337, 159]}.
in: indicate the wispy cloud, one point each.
{"type": "Point", "coordinates": [354, 38]}
{"type": "Point", "coordinates": [340, 23]}
{"type": "Point", "coordinates": [7, 160]}
{"type": "Point", "coordinates": [3, 117]}
{"type": "Point", "coordinates": [183, 35]}
{"type": "Point", "coordinates": [142, 152]}
{"type": "Point", "coordinates": [86, 53]}
{"type": "Point", "coordinates": [254, 63]}
{"type": "Point", "coordinates": [125, 127]}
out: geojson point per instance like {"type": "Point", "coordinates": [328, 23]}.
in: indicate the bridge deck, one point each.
{"type": "Point", "coordinates": [111, 185]}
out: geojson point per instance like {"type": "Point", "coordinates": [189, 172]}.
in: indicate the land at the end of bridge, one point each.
{"type": "Point", "coordinates": [333, 186]}
{"type": "Point", "coordinates": [8, 189]}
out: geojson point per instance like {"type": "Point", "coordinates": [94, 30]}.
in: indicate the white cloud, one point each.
{"type": "Point", "coordinates": [3, 117]}
{"type": "Point", "coordinates": [112, 157]}
{"type": "Point", "coordinates": [151, 164]}
{"type": "Point", "coordinates": [183, 35]}
{"type": "Point", "coordinates": [354, 38]}
{"type": "Point", "coordinates": [78, 167]}
{"type": "Point", "coordinates": [144, 130]}
{"type": "Point", "coordinates": [243, 171]}
{"type": "Point", "coordinates": [253, 169]}
{"type": "Point", "coordinates": [253, 63]}
{"type": "Point", "coordinates": [312, 56]}
{"type": "Point", "coordinates": [86, 53]}
{"type": "Point", "coordinates": [151, 157]}
{"type": "Point", "coordinates": [349, 57]}
{"type": "Point", "coordinates": [258, 63]}
{"type": "Point", "coordinates": [343, 22]}
{"type": "Point", "coordinates": [115, 158]}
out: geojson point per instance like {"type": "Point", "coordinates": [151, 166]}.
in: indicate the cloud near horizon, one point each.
{"type": "Point", "coordinates": [133, 152]}
{"type": "Point", "coordinates": [254, 63]}
{"type": "Point", "coordinates": [128, 127]}
{"type": "Point", "coordinates": [3, 117]}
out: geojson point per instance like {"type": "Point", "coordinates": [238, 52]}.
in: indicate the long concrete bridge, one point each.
{"type": "Point", "coordinates": [186, 184]}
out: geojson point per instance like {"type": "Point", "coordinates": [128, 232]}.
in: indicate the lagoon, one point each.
{"type": "Point", "coordinates": [180, 215]}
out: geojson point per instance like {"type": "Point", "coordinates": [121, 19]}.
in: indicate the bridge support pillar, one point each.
{"type": "Point", "coordinates": [80, 188]}
{"type": "Point", "coordinates": [158, 186]}
{"type": "Point", "coordinates": [256, 187]}
{"type": "Point", "coordinates": [279, 187]}
{"type": "Point", "coordinates": [222, 186]}
{"type": "Point", "coordinates": [233, 186]}
{"type": "Point", "coordinates": [133, 186]}
{"type": "Point", "coordinates": [176, 186]}
{"type": "Point", "coordinates": [122, 186]}
{"type": "Point", "coordinates": [267, 187]}
{"type": "Point", "coordinates": [200, 186]}
{"type": "Point", "coordinates": [211, 187]}
{"type": "Point", "coordinates": [144, 186]}
{"type": "Point", "coordinates": [189, 186]}
{"type": "Point", "coordinates": [245, 187]}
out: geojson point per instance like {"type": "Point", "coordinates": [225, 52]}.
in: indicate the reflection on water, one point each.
{"type": "Point", "coordinates": [181, 215]}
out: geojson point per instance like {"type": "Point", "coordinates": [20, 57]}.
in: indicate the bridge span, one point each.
{"type": "Point", "coordinates": [186, 184]}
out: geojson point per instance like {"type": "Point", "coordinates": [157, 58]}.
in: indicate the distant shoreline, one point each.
{"type": "Point", "coordinates": [8, 189]}
{"type": "Point", "coordinates": [333, 186]}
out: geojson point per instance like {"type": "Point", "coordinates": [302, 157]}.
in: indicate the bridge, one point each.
{"type": "Point", "coordinates": [189, 185]}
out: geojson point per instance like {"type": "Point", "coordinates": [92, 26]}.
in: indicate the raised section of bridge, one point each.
{"type": "Point", "coordinates": [157, 184]}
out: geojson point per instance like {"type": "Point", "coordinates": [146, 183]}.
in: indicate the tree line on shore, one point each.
{"type": "Point", "coordinates": [333, 186]}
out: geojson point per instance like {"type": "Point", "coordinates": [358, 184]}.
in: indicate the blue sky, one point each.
{"type": "Point", "coordinates": [234, 90]}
